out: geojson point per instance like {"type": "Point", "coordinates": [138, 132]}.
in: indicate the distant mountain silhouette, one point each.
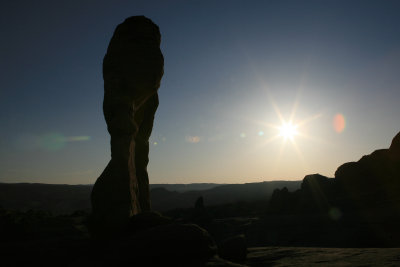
{"type": "Point", "coordinates": [65, 199]}
{"type": "Point", "coordinates": [58, 199]}
{"type": "Point", "coordinates": [221, 194]}
{"type": "Point", "coordinates": [185, 187]}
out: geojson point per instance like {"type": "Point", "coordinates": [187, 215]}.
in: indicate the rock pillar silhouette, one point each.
{"type": "Point", "coordinates": [132, 71]}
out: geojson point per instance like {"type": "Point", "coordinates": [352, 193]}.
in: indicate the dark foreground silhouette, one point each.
{"type": "Point", "coordinates": [132, 70]}
{"type": "Point", "coordinates": [357, 208]}
{"type": "Point", "coordinates": [360, 207]}
{"type": "Point", "coordinates": [66, 199]}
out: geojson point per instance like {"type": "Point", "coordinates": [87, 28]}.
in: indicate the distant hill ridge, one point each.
{"type": "Point", "coordinates": [185, 187]}
{"type": "Point", "coordinates": [220, 194]}
{"type": "Point", "coordinates": [64, 199]}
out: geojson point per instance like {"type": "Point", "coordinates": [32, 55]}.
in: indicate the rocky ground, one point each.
{"type": "Point", "coordinates": [314, 256]}
{"type": "Point", "coordinates": [350, 220]}
{"type": "Point", "coordinates": [35, 238]}
{"type": "Point", "coordinates": [302, 256]}
{"type": "Point", "coordinates": [257, 257]}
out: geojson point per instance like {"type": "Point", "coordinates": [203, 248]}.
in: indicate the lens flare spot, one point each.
{"type": "Point", "coordinates": [260, 133]}
{"type": "Point", "coordinates": [242, 135]}
{"type": "Point", "coordinates": [192, 139]}
{"type": "Point", "coordinates": [155, 143]}
{"type": "Point", "coordinates": [77, 138]}
{"type": "Point", "coordinates": [52, 141]}
{"type": "Point", "coordinates": [339, 123]}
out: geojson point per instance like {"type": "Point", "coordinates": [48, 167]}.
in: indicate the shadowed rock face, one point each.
{"type": "Point", "coordinates": [132, 71]}
{"type": "Point", "coordinates": [359, 207]}
{"type": "Point", "coordinates": [394, 148]}
{"type": "Point", "coordinates": [371, 182]}
{"type": "Point", "coordinates": [376, 174]}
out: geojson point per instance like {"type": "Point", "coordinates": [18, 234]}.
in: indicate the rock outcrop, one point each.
{"type": "Point", "coordinates": [394, 148]}
{"type": "Point", "coordinates": [132, 71]}
{"type": "Point", "coordinates": [359, 207]}
{"type": "Point", "coordinates": [369, 182]}
{"type": "Point", "coordinates": [374, 179]}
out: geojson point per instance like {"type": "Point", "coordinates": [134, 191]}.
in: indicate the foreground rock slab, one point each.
{"type": "Point", "coordinates": [316, 256]}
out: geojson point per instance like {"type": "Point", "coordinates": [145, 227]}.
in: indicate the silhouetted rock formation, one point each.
{"type": "Point", "coordinates": [132, 71]}
{"type": "Point", "coordinates": [369, 182]}
{"type": "Point", "coordinates": [146, 220]}
{"type": "Point", "coordinates": [394, 148]}
{"type": "Point", "coordinates": [314, 195]}
{"type": "Point", "coordinates": [360, 206]}
{"type": "Point", "coordinates": [374, 179]}
{"type": "Point", "coordinates": [199, 215]}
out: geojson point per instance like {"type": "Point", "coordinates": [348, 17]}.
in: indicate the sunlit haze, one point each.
{"type": "Point", "coordinates": [252, 90]}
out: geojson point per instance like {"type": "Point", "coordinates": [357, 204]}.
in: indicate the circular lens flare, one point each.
{"type": "Point", "coordinates": [339, 123]}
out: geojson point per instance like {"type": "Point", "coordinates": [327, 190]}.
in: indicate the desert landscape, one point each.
{"type": "Point", "coordinates": [212, 133]}
{"type": "Point", "coordinates": [266, 224]}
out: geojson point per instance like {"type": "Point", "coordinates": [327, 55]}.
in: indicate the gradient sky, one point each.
{"type": "Point", "coordinates": [232, 70]}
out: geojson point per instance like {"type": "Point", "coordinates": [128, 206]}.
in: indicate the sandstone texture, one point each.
{"type": "Point", "coordinates": [132, 71]}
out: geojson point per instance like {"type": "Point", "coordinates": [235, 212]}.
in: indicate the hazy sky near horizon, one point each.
{"type": "Point", "coordinates": [233, 71]}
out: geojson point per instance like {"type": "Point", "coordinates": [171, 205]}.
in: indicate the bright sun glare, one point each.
{"type": "Point", "coordinates": [287, 130]}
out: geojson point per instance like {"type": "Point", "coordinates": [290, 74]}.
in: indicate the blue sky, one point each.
{"type": "Point", "coordinates": [230, 68]}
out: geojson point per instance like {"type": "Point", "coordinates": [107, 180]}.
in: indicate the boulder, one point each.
{"type": "Point", "coordinates": [233, 248]}
{"type": "Point", "coordinates": [166, 245]}
{"type": "Point", "coordinates": [146, 220]}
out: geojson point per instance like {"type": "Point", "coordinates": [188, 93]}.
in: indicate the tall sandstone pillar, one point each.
{"type": "Point", "coordinates": [132, 70]}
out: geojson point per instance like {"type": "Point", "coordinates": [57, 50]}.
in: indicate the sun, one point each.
{"type": "Point", "coordinates": [288, 130]}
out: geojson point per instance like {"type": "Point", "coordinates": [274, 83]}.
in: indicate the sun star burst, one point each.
{"type": "Point", "coordinates": [288, 130]}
